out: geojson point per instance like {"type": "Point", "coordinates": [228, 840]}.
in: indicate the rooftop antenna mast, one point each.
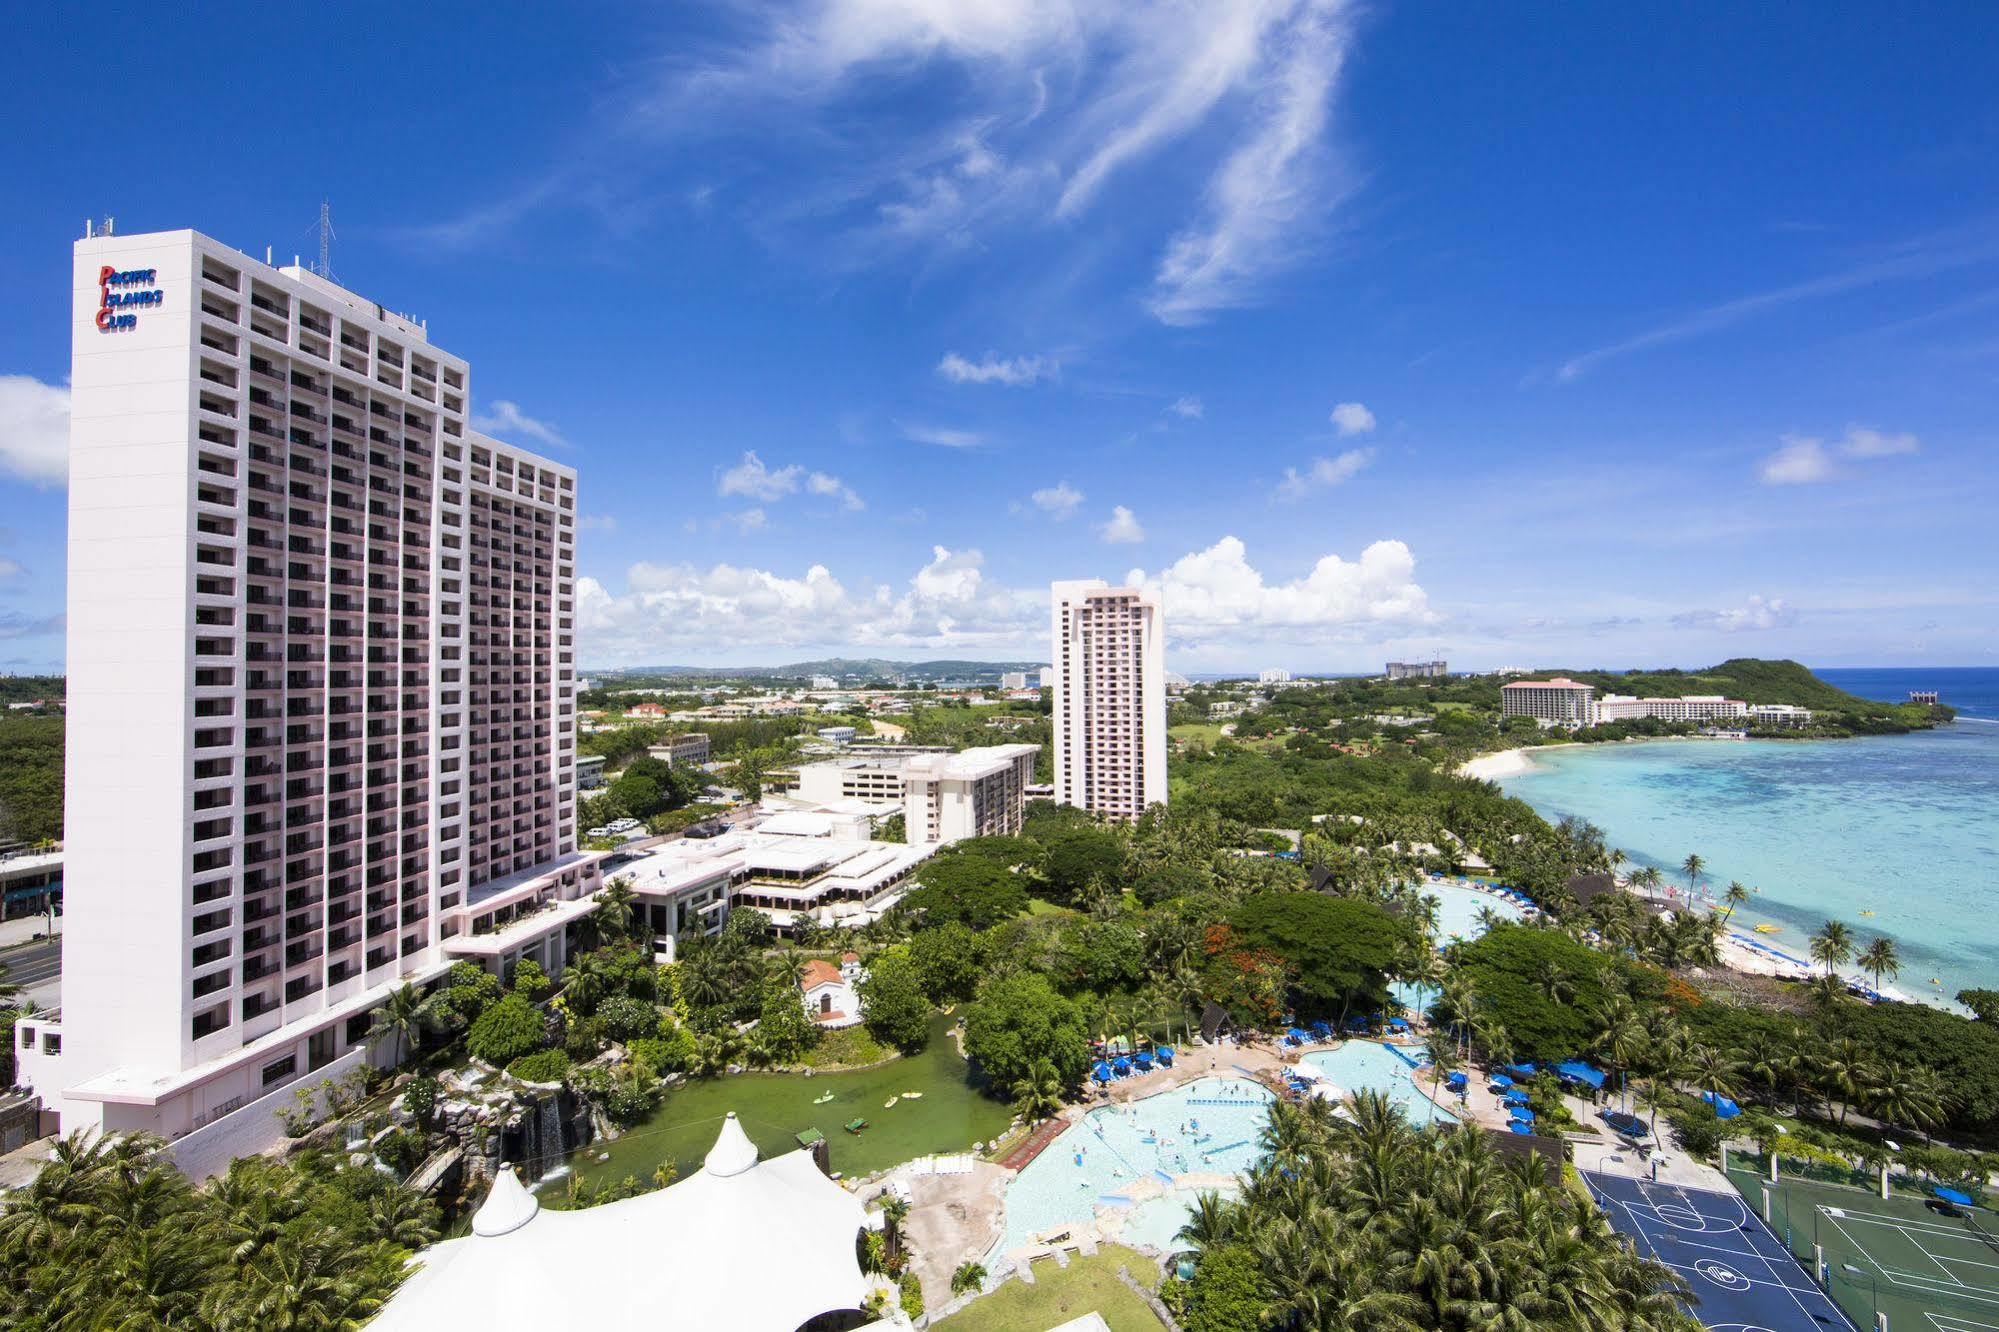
{"type": "Point", "coordinates": [325, 265]}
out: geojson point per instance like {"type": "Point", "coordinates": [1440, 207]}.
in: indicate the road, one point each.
{"type": "Point", "coordinates": [36, 968]}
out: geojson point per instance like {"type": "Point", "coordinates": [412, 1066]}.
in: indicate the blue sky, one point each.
{"type": "Point", "coordinates": [1550, 336]}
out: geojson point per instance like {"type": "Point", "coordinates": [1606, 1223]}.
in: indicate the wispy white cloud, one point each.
{"type": "Point", "coordinates": [1054, 104]}
{"type": "Point", "coordinates": [505, 420]}
{"type": "Point", "coordinates": [1122, 528]}
{"type": "Point", "coordinates": [1187, 408]}
{"type": "Point", "coordinates": [1352, 418]}
{"type": "Point", "coordinates": [1757, 613]}
{"type": "Point", "coordinates": [1011, 371]}
{"type": "Point", "coordinates": [1918, 259]}
{"type": "Point", "coordinates": [597, 522]}
{"type": "Point", "coordinates": [1806, 459]}
{"type": "Point", "coordinates": [752, 478]}
{"type": "Point", "coordinates": [9, 569]}
{"type": "Point", "coordinates": [943, 437]}
{"type": "Point", "coordinates": [1057, 501]}
{"type": "Point", "coordinates": [34, 430]}
{"type": "Point", "coordinates": [750, 520]}
{"type": "Point", "coordinates": [1323, 474]}
{"type": "Point", "coordinates": [1262, 201]}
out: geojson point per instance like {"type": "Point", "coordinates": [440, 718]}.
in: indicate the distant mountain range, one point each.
{"type": "Point", "coordinates": [840, 668]}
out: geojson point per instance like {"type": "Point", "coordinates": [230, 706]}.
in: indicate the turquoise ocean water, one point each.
{"type": "Point", "coordinates": [1904, 826]}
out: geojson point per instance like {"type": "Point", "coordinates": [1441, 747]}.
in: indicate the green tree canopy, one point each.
{"type": "Point", "coordinates": [506, 1031]}
{"type": "Point", "coordinates": [968, 887]}
{"type": "Point", "coordinates": [1339, 951]}
{"type": "Point", "coordinates": [1538, 984]}
{"type": "Point", "coordinates": [892, 1001]}
{"type": "Point", "coordinates": [948, 961]}
{"type": "Point", "coordinates": [1020, 1019]}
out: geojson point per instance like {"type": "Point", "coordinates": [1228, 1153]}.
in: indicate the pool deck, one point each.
{"type": "Point", "coordinates": [1036, 1143]}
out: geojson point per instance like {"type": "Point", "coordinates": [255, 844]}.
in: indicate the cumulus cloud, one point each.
{"type": "Point", "coordinates": [750, 520]}
{"type": "Point", "coordinates": [678, 609]}
{"type": "Point", "coordinates": [1057, 501]}
{"type": "Point", "coordinates": [1800, 460]}
{"type": "Point", "coordinates": [505, 420]}
{"type": "Point", "coordinates": [942, 437]}
{"type": "Point", "coordinates": [1216, 592]}
{"type": "Point", "coordinates": [951, 602]}
{"type": "Point", "coordinates": [1013, 372]}
{"type": "Point", "coordinates": [9, 569]}
{"type": "Point", "coordinates": [1352, 418]}
{"type": "Point", "coordinates": [1188, 408]}
{"type": "Point", "coordinates": [1806, 459]}
{"type": "Point", "coordinates": [34, 430]}
{"type": "Point", "coordinates": [752, 478]}
{"type": "Point", "coordinates": [1756, 613]}
{"type": "Point", "coordinates": [1323, 474]}
{"type": "Point", "coordinates": [1867, 442]}
{"type": "Point", "coordinates": [1122, 529]}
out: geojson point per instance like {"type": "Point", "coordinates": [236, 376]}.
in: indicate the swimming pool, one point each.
{"type": "Point", "coordinates": [1371, 1066]}
{"type": "Point", "coordinates": [1458, 908]}
{"type": "Point", "coordinates": [1208, 1127]}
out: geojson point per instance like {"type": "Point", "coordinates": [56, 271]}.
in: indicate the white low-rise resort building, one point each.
{"type": "Point", "coordinates": [743, 1243]}
{"type": "Point", "coordinates": [816, 865]}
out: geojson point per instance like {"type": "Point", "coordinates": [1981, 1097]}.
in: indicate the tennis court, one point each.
{"type": "Point", "coordinates": [1927, 1271]}
{"type": "Point", "coordinates": [1743, 1277]}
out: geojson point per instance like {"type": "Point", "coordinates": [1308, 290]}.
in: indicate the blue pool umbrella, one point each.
{"type": "Point", "coordinates": [1514, 1097]}
{"type": "Point", "coordinates": [1724, 1108]}
{"type": "Point", "coordinates": [1454, 1079]}
{"type": "Point", "coordinates": [1102, 1072]}
{"type": "Point", "coordinates": [1575, 1070]}
{"type": "Point", "coordinates": [1298, 1035]}
{"type": "Point", "coordinates": [1523, 1070]}
{"type": "Point", "coordinates": [1143, 1059]}
{"type": "Point", "coordinates": [1521, 1115]}
{"type": "Point", "coordinates": [1120, 1066]}
{"type": "Point", "coordinates": [1322, 1029]}
{"type": "Point", "coordinates": [1952, 1196]}
{"type": "Point", "coordinates": [1501, 1081]}
{"type": "Point", "coordinates": [1398, 1024]}
{"type": "Point", "coordinates": [1515, 1126]}
{"type": "Point", "coordinates": [1165, 1055]}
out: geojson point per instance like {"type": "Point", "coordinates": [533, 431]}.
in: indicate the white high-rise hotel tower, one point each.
{"type": "Point", "coordinates": [321, 672]}
{"type": "Point", "coordinates": [1110, 698]}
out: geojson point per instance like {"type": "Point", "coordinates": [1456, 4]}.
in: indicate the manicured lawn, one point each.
{"type": "Point", "coordinates": [1206, 733]}
{"type": "Point", "coordinates": [1060, 1294]}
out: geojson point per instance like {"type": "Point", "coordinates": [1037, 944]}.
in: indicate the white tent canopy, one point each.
{"type": "Point", "coordinates": [742, 1243]}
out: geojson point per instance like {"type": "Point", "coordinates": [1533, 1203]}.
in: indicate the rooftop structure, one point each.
{"type": "Point", "coordinates": [762, 1246]}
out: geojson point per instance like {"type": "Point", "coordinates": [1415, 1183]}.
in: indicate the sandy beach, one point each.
{"type": "Point", "coordinates": [1491, 767]}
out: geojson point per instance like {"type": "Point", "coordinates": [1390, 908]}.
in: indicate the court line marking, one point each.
{"type": "Point", "coordinates": [1750, 1237]}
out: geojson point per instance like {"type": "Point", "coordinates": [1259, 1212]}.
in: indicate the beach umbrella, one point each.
{"type": "Point", "coordinates": [1956, 1196]}
{"type": "Point", "coordinates": [1102, 1072]}
{"type": "Point", "coordinates": [1501, 1081]}
{"type": "Point", "coordinates": [1514, 1097]}
{"type": "Point", "coordinates": [1521, 1115]}
{"type": "Point", "coordinates": [1515, 1126]}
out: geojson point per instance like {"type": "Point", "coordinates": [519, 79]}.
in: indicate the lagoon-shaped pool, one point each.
{"type": "Point", "coordinates": [1132, 1155]}
{"type": "Point", "coordinates": [1360, 1066]}
{"type": "Point", "coordinates": [1458, 908]}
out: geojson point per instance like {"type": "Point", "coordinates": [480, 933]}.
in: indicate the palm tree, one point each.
{"type": "Point", "coordinates": [1646, 877]}
{"type": "Point", "coordinates": [1880, 958]}
{"type": "Point", "coordinates": [1038, 1095]}
{"type": "Point", "coordinates": [1692, 867]}
{"type": "Point", "coordinates": [1832, 945]}
{"type": "Point", "coordinates": [401, 1020]}
{"type": "Point", "coordinates": [1846, 1072]}
{"type": "Point", "coordinates": [895, 1211]}
{"type": "Point", "coordinates": [1211, 1222]}
{"type": "Point", "coordinates": [615, 912]}
{"type": "Point", "coordinates": [969, 1277]}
